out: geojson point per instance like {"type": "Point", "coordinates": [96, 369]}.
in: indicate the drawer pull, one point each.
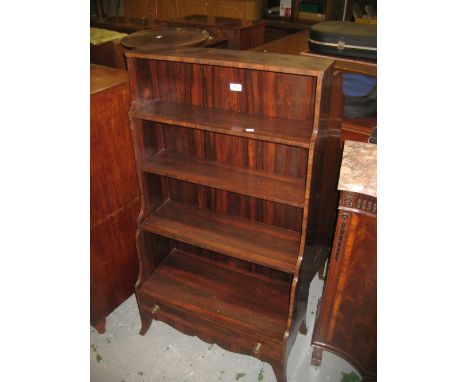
{"type": "Point", "coordinates": [257, 348]}
{"type": "Point", "coordinates": [156, 309]}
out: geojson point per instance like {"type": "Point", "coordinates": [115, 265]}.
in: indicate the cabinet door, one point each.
{"type": "Point", "coordinates": [347, 322]}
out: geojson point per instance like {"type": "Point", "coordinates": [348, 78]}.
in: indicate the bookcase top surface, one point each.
{"type": "Point", "coordinates": [238, 59]}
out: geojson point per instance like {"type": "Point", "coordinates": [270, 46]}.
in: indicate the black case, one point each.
{"type": "Point", "coordinates": [344, 38]}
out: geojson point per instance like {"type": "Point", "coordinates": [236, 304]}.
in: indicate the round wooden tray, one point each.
{"type": "Point", "coordinates": [166, 36]}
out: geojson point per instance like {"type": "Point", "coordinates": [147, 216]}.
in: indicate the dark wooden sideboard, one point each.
{"type": "Point", "coordinates": [238, 193]}
{"type": "Point", "coordinates": [240, 34]}
{"type": "Point", "coordinates": [114, 195]}
{"type": "Point", "coordinates": [126, 25]}
{"type": "Point", "coordinates": [346, 319]}
{"type": "Point", "coordinates": [110, 53]}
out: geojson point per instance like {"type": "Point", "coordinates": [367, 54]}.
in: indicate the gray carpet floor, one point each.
{"type": "Point", "coordinates": [166, 355]}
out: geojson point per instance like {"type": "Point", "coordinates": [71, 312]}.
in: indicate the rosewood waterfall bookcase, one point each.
{"type": "Point", "coordinates": [237, 157]}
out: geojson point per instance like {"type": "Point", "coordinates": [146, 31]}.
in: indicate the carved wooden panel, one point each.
{"type": "Point", "coordinates": [358, 202]}
{"type": "Point", "coordinates": [346, 323]}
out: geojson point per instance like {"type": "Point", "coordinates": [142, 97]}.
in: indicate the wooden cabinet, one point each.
{"type": "Point", "coordinates": [137, 9]}
{"type": "Point", "coordinates": [358, 129]}
{"type": "Point", "coordinates": [114, 194]}
{"type": "Point", "coordinates": [240, 34]}
{"type": "Point", "coordinates": [346, 320]}
{"type": "Point", "coordinates": [167, 9]}
{"type": "Point", "coordinates": [238, 9]}
{"type": "Point", "coordinates": [164, 10]}
{"type": "Point", "coordinates": [153, 9]}
{"type": "Point", "coordinates": [237, 171]}
{"type": "Point", "coordinates": [193, 7]}
{"type": "Point", "coordinates": [109, 53]}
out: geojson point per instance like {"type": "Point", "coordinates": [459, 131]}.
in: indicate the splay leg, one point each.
{"type": "Point", "coordinates": [146, 320]}
{"type": "Point", "coordinates": [316, 356]}
{"type": "Point", "coordinates": [280, 371]}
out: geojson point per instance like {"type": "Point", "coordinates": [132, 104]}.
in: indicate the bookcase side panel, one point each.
{"type": "Point", "coordinates": [152, 250]}
{"type": "Point", "coordinates": [324, 160]}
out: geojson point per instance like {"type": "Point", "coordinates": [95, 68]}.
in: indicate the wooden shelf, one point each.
{"type": "Point", "coordinates": [280, 189]}
{"type": "Point", "coordinates": [243, 239]}
{"type": "Point", "coordinates": [214, 291]}
{"type": "Point", "coordinates": [255, 126]}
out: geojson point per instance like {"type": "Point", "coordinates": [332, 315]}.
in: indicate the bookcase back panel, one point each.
{"type": "Point", "coordinates": [230, 203]}
{"type": "Point", "coordinates": [158, 248]}
{"type": "Point", "coordinates": [241, 152]}
{"type": "Point", "coordinates": [158, 189]}
{"type": "Point", "coordinates": [262, 92]}
{"type": "Point", "coordinates": [152, 134]}
{"type": "Point", "coordinates": [232, 262]}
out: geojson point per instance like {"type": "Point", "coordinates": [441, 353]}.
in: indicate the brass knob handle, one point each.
{"type": "Point", "coordinates": [257, 348]}
{"type": "Point", "coordinates": [156, 309]}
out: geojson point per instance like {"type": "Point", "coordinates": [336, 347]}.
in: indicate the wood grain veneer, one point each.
{"type": "Point", "coordinates": [279, 130]}
{"type": "Point", "coordinates": [250, 60]}
{"type": "Point", "coordinates": [216, 292]}
{"type": "Point", "coordinates": [114, 194]}
{"type": "Point", "coordinates": [260, 243]}
{"type": "Point", "coordinates": [284, 190]}
{"type": "Point", "coordinates": [234, 223]}
{"type": "Point", "coordinates": [347, 320]}
{"type": "Point", "coordinates": [240, 34]}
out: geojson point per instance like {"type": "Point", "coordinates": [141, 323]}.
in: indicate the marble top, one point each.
{"type": "Point", "coordinates": [359, 168]}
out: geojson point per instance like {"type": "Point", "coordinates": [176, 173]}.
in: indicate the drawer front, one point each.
{"type": "Point", "coordinates": [229, 338]}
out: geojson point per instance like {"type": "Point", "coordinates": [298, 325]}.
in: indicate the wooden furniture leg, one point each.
{"type": "Point", "coordinates": [146, 320]}
{"type": "Point", "coordinates": [316, 359]}
{"type": "Point", "coordinates": [100, 325]}
{"type": "Point", "coordinates": [280, 371]}
{"type": "Point", "coordinates": [303, 328]}
{"type": "Point", "coordinates": [321, 273]}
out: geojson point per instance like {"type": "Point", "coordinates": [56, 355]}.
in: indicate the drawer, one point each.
{"type": "Point", "coordinates": [230, 338]}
